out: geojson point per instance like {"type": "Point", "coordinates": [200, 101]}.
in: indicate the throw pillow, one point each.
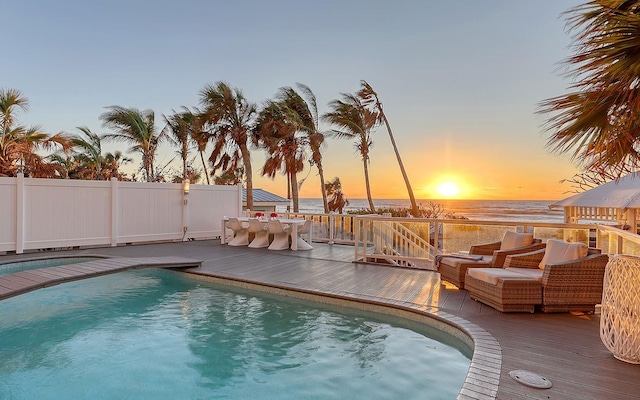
{"type": "Point", "coordinates": [513, 240]}
{"type": "Point", "coordinates": [559, 251]}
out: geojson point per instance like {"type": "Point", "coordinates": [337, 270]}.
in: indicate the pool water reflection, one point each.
{"type": "Point", "coordinates": [159, 334]}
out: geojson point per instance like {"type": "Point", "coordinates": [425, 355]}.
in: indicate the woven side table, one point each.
{"type": "Point", "coordinates": [620, 318]}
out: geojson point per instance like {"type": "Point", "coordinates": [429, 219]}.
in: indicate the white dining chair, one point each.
{"type": "Point", "coordinates": [305, 230]}
{"type": "Point", "coordinates": [240, 233]}
{"type": "Point", "coordinates": [280, 235]}
{"type": "Point", "coordinates": [261, 235]}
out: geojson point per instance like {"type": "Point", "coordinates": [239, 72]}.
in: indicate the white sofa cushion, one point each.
{"type": "Point", "coordinates": [559, 251]}
{"type": "Point", "coordinates": [493, 275]}
{"type": "Point", "coordinates": [514, 240]}
{"type": "Point", "coordinates": [455, 261]}
{"type": "Point", "coordinates": [535, 273]}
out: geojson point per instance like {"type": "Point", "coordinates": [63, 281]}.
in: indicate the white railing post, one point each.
{"type": "Point", "coordinates": [356, 234]}
{"type": "Point", "coordinates": [186, 187]}
{"type": "Point", "coordinates": [332, 228]}
{"type": "Point", "coordinates": [240, 199]}
{"type": "Point", "coordinates": [20, 213]}
{"type": "Point", "coordinates": [114, 212]}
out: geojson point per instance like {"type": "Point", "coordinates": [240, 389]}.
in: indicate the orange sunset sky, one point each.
{"type": "Point", "coordinates": [460, 81]}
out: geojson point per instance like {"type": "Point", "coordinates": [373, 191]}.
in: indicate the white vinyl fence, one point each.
{"type": "Point", "coordinates": [50, 213]}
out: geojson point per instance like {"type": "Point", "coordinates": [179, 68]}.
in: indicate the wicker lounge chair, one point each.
{"type": "Point", "coordinates": [453, 268]}
{"type": "Point", "coordinates": [521, 286]}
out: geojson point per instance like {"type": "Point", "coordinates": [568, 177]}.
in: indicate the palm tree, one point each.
{"type": "Point", "coordinates": [10, 101]}
{"type": "Point", "coordinates": [201, 137]}
{"type": "Point", "coordinates": [178, 130]}
{"type": "Point", "coordinates": [138, 129]}
{"type": "Point", "coordinates": [231, 119]}
{"type": "Point", "coordinates": [599, 122]}
{"type": "Point", "coordinates": [354, 121]}
{"type": "Point", "coordinates": [304, 112]}
{"type": "Point", "coordinates": [64, 162]}
{"type": "Point", "coordinates": [229, 177]}
{"type": "Point", "coordinates": [90, 151]}
{"type": "Point", "coordinates": [112, 163]}
{"type": "Point", "coordinates": [27, 145]}
{"type": "Point", "coordinates": [370, 98]}
{"type": "Point", "coordinates": [338, 200]}
{"type": "Point", "coordinates": [19, 144]}
{"type": "Point", "coordinates": [192, 174]}
{"type": "Point", "coordinates": [276, 129]}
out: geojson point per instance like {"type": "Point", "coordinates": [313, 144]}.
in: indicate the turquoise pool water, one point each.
{"type": "Point", "coordinates": [155, 334]}
{"type": "Point", "coordinates": [13, 267]}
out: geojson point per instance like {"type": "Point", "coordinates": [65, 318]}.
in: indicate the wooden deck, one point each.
{"type": "Point", "coordinates": [564, 348]}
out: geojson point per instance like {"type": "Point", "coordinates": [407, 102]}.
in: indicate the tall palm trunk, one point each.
{"type": "Point", "coordinates": [414, 205]}
{"type": "Point", "coordinates": [147, 164]}
{"type": "Point", "coordinates": [294, 190]}
{"type": "Point", "coordinates": [246, 161]}
{"type": "Point", "coordinates": [288, 191]}
{"type": "Point", "coordinates": [204, 165]}
{"type": "Point", "coordinates": [323, 188]}
{"type": "Point", "coordinates": [368, 186]}
{"type": "Point", "coordinates": [370, 96]}
{"type": "Point", "coordinates": [184, 159]}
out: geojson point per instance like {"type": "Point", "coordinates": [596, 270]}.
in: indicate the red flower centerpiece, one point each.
{"type": "Point", "coordinates": [274, 215]}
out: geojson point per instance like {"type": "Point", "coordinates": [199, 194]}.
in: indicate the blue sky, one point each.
{"type": "Point", "coordinates": [460, 81]}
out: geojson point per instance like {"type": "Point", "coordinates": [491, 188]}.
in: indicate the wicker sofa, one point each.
{"type": "Point", "coordinates": [522, 286]}
{"type": "Point", "coordinates": [453, 268]}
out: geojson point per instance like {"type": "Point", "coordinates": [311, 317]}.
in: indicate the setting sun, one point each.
{"type": "Point", "coordinates": [448, 189]}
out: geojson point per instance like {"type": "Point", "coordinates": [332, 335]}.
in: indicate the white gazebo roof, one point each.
{"type": "Point", "coordinates": [623, 195]}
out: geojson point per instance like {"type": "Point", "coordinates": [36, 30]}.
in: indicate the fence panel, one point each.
{"type": "Point", "coordinates": [64, 213]}
{"type": "Point", "coordinates": [52, 213]}
{"type": "Point", "coordinates": [207, 205]}
{"type": "Point", "coordinates": [149, 212]}
{"type": "Point", "coordinates": [7, 214]}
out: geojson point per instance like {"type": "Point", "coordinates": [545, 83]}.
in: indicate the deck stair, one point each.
{"type": "Point", "coordinates": [400, 246]}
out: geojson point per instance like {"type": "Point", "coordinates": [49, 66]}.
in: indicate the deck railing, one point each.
{"type": "Point", "coordinates": [400, 245]}
{"type": "Point", "coordinates": [414, 242]}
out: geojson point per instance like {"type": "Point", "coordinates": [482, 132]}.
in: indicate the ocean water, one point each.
{"type": "Point", "coordinates": [479, 210]}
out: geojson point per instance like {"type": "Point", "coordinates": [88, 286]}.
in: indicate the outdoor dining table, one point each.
{"type": "Point", "coordinates": [295, 224]}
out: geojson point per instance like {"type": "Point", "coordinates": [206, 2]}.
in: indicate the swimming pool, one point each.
{"type": "Point", "coordinates": [26, 265]}
{"type": "Point", "coordinates": [159, 334]}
